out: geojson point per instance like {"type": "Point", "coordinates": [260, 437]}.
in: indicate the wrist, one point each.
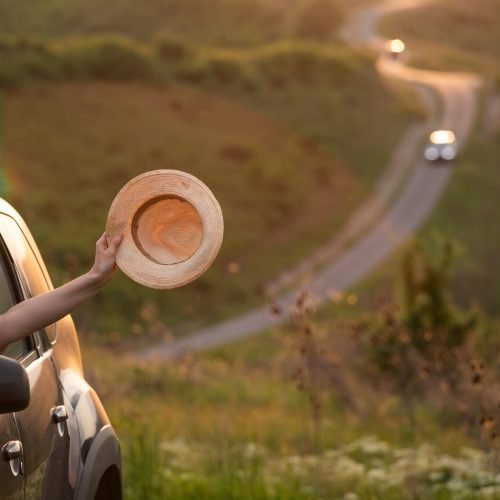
{"type": "Point", "coordinates": [95, 279]}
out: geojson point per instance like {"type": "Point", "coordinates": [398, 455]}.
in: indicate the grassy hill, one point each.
{"type": "Point", "coordinates": [212, 22]}
{"type": "Point", "coordinates": [283, 133]}
{"type": "Point", "coordinates": [459, 35]}
{"type": "Point", "coordinates": [70, 148]}
{"type": "Point", "coordinates": [453, 34]}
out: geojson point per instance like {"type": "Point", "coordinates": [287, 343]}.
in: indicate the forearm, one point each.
{"type": "Point", "coordinates": [38, 312]}
{"type": "Point", "coordinates": [43, 310]}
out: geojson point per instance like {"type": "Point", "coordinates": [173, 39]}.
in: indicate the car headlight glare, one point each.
{"type": "Point", "coordinates": [448, 153]}
{"type": "Point", "coordinates": [431, 154]}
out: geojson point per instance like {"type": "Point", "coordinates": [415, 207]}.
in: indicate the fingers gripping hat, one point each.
{"type": "Point", "coordinates": [172, 228]}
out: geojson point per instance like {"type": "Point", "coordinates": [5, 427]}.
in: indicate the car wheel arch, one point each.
{"type": "Point", "coordinates": [103, 456]}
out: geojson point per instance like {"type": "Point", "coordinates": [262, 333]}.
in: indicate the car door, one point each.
{"type": "Point", "coordinates": [11, 466]}
{"type": "Point", "coordinates": [42, 426]}
{"type": "Point", "coordinates": [11, 477]}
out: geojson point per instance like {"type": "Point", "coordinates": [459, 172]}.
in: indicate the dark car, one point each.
{"type": "Point", "coordinates": [56, 439]}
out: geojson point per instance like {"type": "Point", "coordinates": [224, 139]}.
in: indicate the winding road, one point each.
{"type": "Point", "coordinates": [401, 202]}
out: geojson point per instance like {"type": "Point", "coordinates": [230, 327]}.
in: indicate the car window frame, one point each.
{"type": "Point", "coordinates": [44, 343]}
{"type": "Point", "coordinates": [15, 278]}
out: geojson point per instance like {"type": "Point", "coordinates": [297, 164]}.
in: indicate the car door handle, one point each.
{"type": "Point", "coordinates": [12, 450]}
{"type": "Point", "coordinates": [59, 414]}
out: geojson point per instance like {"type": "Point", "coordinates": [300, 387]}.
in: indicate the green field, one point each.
{"type": "Point", "coordinates": [286, 176]}
{"type": "Point", "coordinates": [456, 35]}
{"type": "Point", "coordinates": [212, 22]}
{"type": "Point", "coordinates": [473, 224]}
{"type": "Point", "coordinates": [234, 423]}
{"type": "Point", "coordinates": [290, 130]}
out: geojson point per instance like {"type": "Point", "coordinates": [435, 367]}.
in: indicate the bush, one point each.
{"type": "Point", "coordinates": [110, 57]}
{"type": "Point", "coordinates": [306, 63]}
{"type": "Point", "coordinates": [193, 71]}
{"type": "Point", "coordinates": [118, 58]}
{"type": "Point", "coordinates": [172, 49]}
{"type": "Point", "coordinates": [226, 70]}
{"type": "Point", "coordinates": [25, 59]}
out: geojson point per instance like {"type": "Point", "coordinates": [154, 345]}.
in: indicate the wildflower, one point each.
{"type": "Point", "coordinates": [350, 496]}
{"type": "Point", "coordinates": [377, 475]}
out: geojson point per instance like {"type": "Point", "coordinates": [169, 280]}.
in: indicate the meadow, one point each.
{"type": "Point", "coordinates": [462, 36]}
{"type": "Point", "coordinates": [454, 35]}
{"type": "Point", "coordinates": [286, 176]}
{"type": "Point", "coordinates": [306, 411]}
{"type": "Point", "coordinates": [290, 129]}
{"type": "Point", "coordinates": [236, 23]}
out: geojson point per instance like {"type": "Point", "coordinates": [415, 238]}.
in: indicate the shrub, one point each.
{"type": "Point", "coordinates": [173, 49]}
{"type": "Point", "coordinates": [25, 59]}
{"type": "Point", "coordinates": [108, 57]}
{"type": "Point", "coordinates": [193, 71]}
{"type": "Point", "coordinates": [225, 70]}
{"type": "Point", "coordinates": [306, 63]}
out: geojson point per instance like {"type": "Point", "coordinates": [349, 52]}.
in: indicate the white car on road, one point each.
{"type": "Point", "coordinates": [394, 48]}
{"type": "Point", "coordinates": [442, 146]}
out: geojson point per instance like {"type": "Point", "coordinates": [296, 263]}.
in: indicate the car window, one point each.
{"type": "Point", "coordinates": [27, 263]}
{"type": "Point", "coordinates": [7, 300]}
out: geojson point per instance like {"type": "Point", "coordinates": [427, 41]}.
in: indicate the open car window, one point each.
{"type": "Point", "coordinates": [23, 272]}
{"type": "Point", "coordinates": [30, 272]}
{"type": "Point", "coordinates": [7, 299]}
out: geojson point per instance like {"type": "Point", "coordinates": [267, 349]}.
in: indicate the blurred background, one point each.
{"type": "Point", "coordinates": [389, 388]}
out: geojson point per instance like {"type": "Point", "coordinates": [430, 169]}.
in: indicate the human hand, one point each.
{"type": "Point", "coordinates": [105, 259]}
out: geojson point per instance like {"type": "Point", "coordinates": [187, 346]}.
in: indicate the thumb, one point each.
{"type": "Point", "coordinates": [115, 243]}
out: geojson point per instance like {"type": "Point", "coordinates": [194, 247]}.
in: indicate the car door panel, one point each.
{"type": "Point", "coordinates": [46, 443]}
{"type": "Point", "coordinates": [11, 486]}
{"type": "Point", "coordinates": [45, 447]}
{"type": "Point", "coordinates": [77, 456]}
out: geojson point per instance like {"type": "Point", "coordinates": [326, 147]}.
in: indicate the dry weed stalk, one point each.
{"type": "Point", "coordinates": [316, 367]}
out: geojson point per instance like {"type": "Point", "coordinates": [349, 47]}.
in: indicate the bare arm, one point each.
{"type": "Point", "coordinates": [35, 313]}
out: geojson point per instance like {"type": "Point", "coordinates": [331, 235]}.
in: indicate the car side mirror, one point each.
{"type": "Point", "coordinates": [14, 386]}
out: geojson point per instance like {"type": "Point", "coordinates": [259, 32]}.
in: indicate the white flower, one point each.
{"type": "Point", "coordinates": [351, 496]}
{"type": "Point", "coordinates": [252, 450]}
{"type": "Point", "coordinates": [346, 468]}
{"type": "Point", "coordinates": [369, 445]}
{"type": "Point", "coordinates": [436, 476]}
{"type": "Point", "coordinates": [455, 485]}
{"type": "Point", "coordinates": [377, 475]}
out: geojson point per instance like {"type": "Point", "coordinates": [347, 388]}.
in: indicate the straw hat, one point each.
{"type": "Point", "coordinates": [172, 228]}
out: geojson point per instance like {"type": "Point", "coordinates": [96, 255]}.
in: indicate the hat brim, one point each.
{"type": "Point", "coordinates": [145, 189]}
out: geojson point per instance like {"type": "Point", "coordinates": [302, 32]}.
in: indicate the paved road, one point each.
{"type": "Point", "coordinates": [422, 187]}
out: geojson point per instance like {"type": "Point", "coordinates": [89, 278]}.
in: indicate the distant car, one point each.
{"type": "Point", "coordinates": [56, 440]}
{"type": "Point", "coordinates": [394, 48]}
{"type": "Point", "coordinates": [442, 145]}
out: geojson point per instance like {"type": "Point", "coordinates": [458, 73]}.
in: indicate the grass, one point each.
{"type": "Point", "coordinates": [210, 22]}
{"type": "Point", "coordinates": [215, 21]}
{"type": "Point", "coordinates": [452, 35]}
{"type": "Point", "coordinates": [465, 214]}
{"type": "Point", "coordinates": [232, 424]}
{"type": "Point", "coordinates": [477, 180]}
{"type": "Point", "coordinates": [230, 397]}
{"type": "Point", "coordinates": [267, 162]}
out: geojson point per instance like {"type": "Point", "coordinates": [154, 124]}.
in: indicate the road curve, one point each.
{"type": "Point", "coordinates": [415, 201]}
